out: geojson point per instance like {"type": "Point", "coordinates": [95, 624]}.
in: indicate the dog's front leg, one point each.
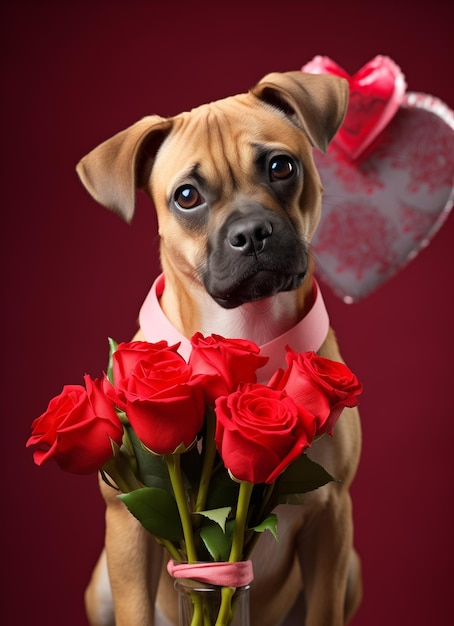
{"type": "Point", "coordinates": [330, 567]}
{"type": "Point", "coordinates": [133, 560]}
{"type": "Point", "coordinates": [134, 565]}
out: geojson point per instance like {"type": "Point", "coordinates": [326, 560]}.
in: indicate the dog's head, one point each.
{"type": "Point", "coordinates": [237, 194]}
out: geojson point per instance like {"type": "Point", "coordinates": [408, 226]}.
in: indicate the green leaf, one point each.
{"type": "Point", "coordinates": [269, 523]}
{"type": "Point", "coordinates": [223, 491]}
{"type": "Point", "coordinates": [301, 476]}
{"type": "Point", "coordinates": [217, 515]}
{"type": "Point", "coordinates": [156, 510]}
{"type": "Point", "coordinates": [191, 465]}
{"type": "Point", "coordinates": [151, 468]}
{"type": "Point", "coordinates": [217, 542]}
{"type": "Point", "coordinates": [121, 468]}
{"type": "Point", "coordinates": [113, 345]}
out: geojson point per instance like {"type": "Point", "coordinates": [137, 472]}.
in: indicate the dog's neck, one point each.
{"type": "Point", "coordinates": [298, 319]}
{"type": "Point", "coordinates": [259, 321]}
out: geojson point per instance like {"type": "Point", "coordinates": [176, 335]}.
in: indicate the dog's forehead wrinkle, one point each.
{"type": "Point", "coordinates": [227, 161]}
{"type": "Point", "coordinates": [196, 174]}
{"type": "Point", "coordinates": [223, 164]}
{"type": "Point", "coordinates": [210, 164]}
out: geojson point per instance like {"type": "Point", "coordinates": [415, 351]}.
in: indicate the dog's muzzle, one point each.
{"type": "Point", "coordinates": [254, 256]}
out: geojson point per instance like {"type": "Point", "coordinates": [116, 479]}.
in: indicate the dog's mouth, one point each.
{"type": "Point", "coordinates": [256, 286]}
{"type": "Point", "coordinates": [254, 256]}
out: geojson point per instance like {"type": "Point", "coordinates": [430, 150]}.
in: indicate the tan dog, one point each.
{"type": "Point", "coordinates": [238, 199]}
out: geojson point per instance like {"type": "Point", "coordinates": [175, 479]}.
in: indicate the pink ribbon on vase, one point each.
{"type": "Point", "coordinates": [223, 574]}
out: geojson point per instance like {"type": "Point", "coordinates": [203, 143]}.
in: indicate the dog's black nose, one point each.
{"type": "Point", "coordinates": [248, 235]}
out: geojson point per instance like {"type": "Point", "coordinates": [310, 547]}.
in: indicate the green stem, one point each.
{"type": "Point", "coordinates": [242, 510]}
{"type": "Point", "coordinates": [171, 549]}
{"type": "Point", "coordinates": [176, 478]}
{"type": "Point", "coordinates": [236, 552]}
{"type": "Point", "coordinates": [225, 610]}
{"type": "Point", "coordinates": [260, 516]}
{"type": "Point", "coordinates": [120, 471]}
{"type": "Point", "coordinates": [127, 443]}
{"type": "Point", "coordinates": [208, 460]}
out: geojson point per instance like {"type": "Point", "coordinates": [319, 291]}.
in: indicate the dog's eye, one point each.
{"type": "Point", "coordinates": [187, 197]}
{"type": "Point", "coordinates": [281, 167]}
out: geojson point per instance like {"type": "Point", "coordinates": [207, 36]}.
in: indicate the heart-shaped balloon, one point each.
{"type": "Point", "coordinates": [380, 211]}
{"type": "Point", "coordinates": [376, 92]}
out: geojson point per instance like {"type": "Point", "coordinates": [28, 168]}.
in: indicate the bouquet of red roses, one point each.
{"type": "Point", "coordinates": [200, 452]}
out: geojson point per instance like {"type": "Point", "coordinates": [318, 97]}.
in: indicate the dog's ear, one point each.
{"type": "Point", "coordinates": [316, 103]}
{"type": "Point", "coordinates": [113, 171]}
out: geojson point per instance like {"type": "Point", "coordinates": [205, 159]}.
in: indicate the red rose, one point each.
{"type": "Point", "coordinates": [260, 431]}
{"type": "Point", "coordinates": [227, 362]}
{"type": "Point", "coordinates": [162, 398]}
{"type": "Point", "coordinates": [77, 429]}
{"type": "Point", "coordinates": [127, 356]}
{"type": "Point", "coordinates": [322, 386]}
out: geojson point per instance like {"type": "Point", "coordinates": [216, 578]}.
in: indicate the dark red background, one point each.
{"type": "Point", "coordinates": [74, 73]}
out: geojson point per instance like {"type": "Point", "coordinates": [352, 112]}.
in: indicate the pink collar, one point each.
{"type": "Point", "coordinates": [308, 335]}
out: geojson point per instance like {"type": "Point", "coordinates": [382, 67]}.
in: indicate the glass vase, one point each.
{"type": "Point", "coordinates": [201, 604]}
